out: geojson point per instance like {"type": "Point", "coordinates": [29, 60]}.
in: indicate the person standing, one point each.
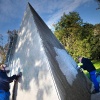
{"type": "Point", "coordinates": [86, 64]}
{"type": "Point", "coordinates": [5, 82]}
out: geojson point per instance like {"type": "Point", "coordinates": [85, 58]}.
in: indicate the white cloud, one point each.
{"type": "Point", "coordinates": [65, 8]}
{"type": "Point", "coordinates": [12, 11]}
{"type": "Point", "coordinates": [55, 8]}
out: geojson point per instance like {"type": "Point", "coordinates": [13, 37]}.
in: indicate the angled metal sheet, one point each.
{"type": "Point", "coordinates": [49, 72]}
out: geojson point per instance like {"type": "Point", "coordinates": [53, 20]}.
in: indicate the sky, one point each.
{"type": "Point", "coordinates": [12, 11]}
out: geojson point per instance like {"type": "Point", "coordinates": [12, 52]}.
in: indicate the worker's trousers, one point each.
{"type": "Point", "coordinates": [4, 95]}
{"type": "Point", "coordinates": [94, 80]}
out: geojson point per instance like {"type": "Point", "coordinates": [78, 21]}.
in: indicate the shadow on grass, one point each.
{"type": "Point", "coordinates": [98, 69]}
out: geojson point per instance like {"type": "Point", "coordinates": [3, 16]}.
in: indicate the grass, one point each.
{"type": "Point", "coordinates": [96, 63]}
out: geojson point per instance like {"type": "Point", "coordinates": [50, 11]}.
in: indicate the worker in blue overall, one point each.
{"type": "Point", "coordinates": [5, 82]}
{"type": "Point", "coordinates": [86, 64]}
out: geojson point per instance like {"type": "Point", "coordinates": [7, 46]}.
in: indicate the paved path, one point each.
{"type": "Point", "coordinates": [95, 96]}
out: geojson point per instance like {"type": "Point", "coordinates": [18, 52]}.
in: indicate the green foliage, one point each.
{"type": "Point", "coordinates": [97, 65]}
{"type": "Point", "coordinates": [78, 38]}
{"type": "Point", "coordinates": [95, 42]}
{"type": "Point", "coordinates": [3, 52]}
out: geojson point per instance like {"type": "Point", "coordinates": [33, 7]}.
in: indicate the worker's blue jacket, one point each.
{"type": "Point", "coordinates": [87, 65]}
{"type": "Point", "coordinates": [5, 80]}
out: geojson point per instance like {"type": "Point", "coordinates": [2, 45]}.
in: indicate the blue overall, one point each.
{"type": "Point", "coordinates": [88, 65]}
{"type": "Point", "coordinates": [94, 80]}
{"type": "Point", "coordinates": [4, 95]}
{"type": "Point", "coordinates": [4, 85]}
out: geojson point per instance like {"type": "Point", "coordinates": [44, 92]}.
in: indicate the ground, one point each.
{"type": "Point", "coordinates": [95, 96]}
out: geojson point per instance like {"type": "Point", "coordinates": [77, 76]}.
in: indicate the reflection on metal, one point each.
{"type": "Point", "coordinates": [1, 40]}
{"type": "Point", "coordinates": [12, 43]}
{"type": "Point", "coordinates": [41, 57]}
{"type": "Point", "coordinates": [98, 1]}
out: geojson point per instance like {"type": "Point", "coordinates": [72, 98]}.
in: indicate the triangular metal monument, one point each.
{"type": "Point", "coordinates": [48, 71]}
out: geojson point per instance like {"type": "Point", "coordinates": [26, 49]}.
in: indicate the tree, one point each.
{"type": "Point", "coordinates": [70, 31]}
{"type": "Point", "coordinates": [95, 42]}
{"type": "Point", "coordinates": [2, 55]}
{"type": "Point", "coordinates": [1, 40]}
{"type": "Point", "coordinates": [98, 1]}
{"type": "Point", "coordinates": [78, 38]}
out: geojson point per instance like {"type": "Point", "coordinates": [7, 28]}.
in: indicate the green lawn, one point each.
{"type": "Point", "coordinates": [97, 66]}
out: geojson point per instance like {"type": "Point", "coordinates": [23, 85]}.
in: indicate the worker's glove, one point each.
{"type": "Point", "coordinates": [18, 76]}
{"type": "Point", "coordinates": [79, 68]}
